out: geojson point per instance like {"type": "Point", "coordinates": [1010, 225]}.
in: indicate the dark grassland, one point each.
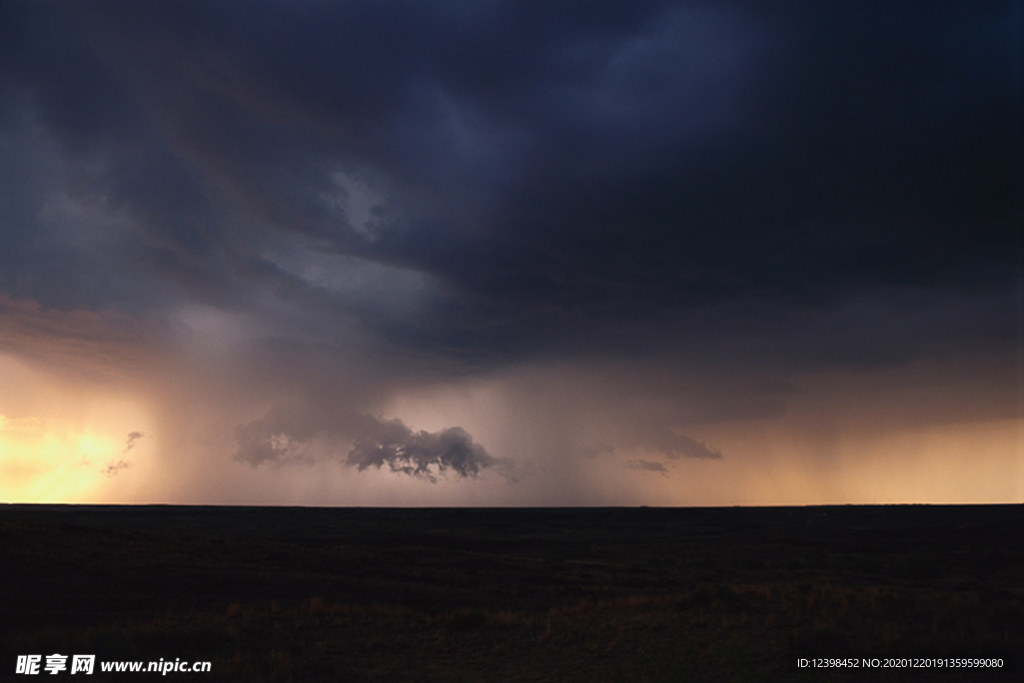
{"type": "Point", "coordinates": [605, 595]}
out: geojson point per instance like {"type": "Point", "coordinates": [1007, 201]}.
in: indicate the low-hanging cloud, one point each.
{"type": "Point", "coordinates": [685, 447]}
{"type": "Point", "coordinates": [418, 453]}
{"type": "Point", "coordinates": [281, 436]}
{"type": "Point", "coordinates": [674, 446]}
{"type": "Point", "coordinates": [286, 435]}
{"type": "Point", "coordinates": [655, 440]}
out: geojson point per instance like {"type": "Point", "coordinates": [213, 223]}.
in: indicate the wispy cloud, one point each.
{"type": "Point", "coordinates": [114, 468]}
{"type": "Point", "coordinates": [646, 466]}
{"type": "Point", "coordinates": [682, 446]}
{"type": "Point", "coordinates": [132, 438]}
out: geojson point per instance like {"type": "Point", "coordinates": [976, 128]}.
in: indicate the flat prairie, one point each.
{"type": "Point", "coordinates": [515, 594]}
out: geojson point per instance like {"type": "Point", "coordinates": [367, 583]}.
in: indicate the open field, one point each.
{"type": "Point", "coordinates": [614, 594]}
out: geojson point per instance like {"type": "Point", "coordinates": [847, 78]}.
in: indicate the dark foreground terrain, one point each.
{"type": "Point", "coordinates": [321, 594]}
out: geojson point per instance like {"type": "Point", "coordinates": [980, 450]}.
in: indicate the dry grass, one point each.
{"type": "Point", "coordinates": [686, 600]}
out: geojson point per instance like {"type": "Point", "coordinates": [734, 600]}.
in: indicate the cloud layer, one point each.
{"type": "Point", "coordinates": [287, 435]}
{"type": "Point", "coordinates": [337, 206]}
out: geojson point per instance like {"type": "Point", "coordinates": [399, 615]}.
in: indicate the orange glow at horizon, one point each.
{"type": "Point", "coordinates": [968, 463]}
{"type": "Point", "coordinates": [63, 443]}
{"type": "Point", "coordinates": [72, 442]}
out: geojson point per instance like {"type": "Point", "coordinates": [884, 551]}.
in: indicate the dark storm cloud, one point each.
{"type": "Point", "coordinates": [286, 435]}
{"type": "Point", "coordinates": [417, 453]}
{"type": "Point", "coordinates": [78, 341]}
{"type": "Point", "coordinates": [560, 174]}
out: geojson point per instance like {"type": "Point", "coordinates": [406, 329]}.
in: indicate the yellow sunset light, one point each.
{"type": "Point", "coordinates": [52, 461]}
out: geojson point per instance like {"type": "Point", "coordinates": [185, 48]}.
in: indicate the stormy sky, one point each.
{"type": "Point", "coordinates": [511, 253]}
